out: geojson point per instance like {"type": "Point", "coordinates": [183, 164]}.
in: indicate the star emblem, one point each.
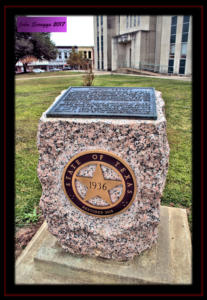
{"type": "Point", "coordinates": [98, 185]}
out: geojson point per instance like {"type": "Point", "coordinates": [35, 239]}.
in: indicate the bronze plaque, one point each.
{"type": "Point", "coordinates": [105, 102]}
{"type": "Point", "coordinates": [99, 183]}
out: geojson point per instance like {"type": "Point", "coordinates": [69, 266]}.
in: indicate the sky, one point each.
{"type": "Point", "coordinates": [79, 32]}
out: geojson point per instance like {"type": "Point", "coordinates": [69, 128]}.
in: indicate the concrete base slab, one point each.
{"type": "Point", "coordinates": [43, 261]}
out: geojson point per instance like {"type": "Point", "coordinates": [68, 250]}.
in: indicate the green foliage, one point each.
{"type": "Point", "coordinates": [23, 47]}
{"type": "Point", "coordinates": [44, 48]}
{"type": "Point", "coordinates": [34, 96]}
{"type": "Point", "coordinates": [76, 60]}
{"type": "Point", "coordinates": [36, 44]}
{"type": "Point", "coordinates": [31, 217]}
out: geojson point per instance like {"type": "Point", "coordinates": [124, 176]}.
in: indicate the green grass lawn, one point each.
{"type": "Point", "coordinates": [33, 97]}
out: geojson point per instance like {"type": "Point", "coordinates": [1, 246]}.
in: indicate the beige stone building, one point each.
{"type": "Point", "coordinates": [156, 43]}
{"type": "Point", "coordinates": [88, 52]}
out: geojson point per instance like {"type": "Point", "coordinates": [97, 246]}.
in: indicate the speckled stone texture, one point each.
{"type": "Point", "coordinates": [142, 144]}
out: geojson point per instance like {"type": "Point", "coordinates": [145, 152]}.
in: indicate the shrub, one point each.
{"type": "Point", "coordinates": [88, 78]}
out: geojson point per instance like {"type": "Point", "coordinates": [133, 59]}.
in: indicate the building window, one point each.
{"type": "Point", "coordinates": [183, 53]}
{"type": "Point", "coordinates": [182, 66]}
{"type": "Point", "coordinates": [135, 19]}
{"type": "Point", "coordinates": [130, 21]}
{"type": "Point", "coordinates": [174, 21]}
{"type": "Point", "coordinates": [172, 50]}
{"type": "Point", "coordinates": [184, 37]}
{"type": "Point", "coordinates": [98, 43]}
{"type": "Point", "coordinates": [102, 59]}
{"type": "Point", "coordinates": [172, 38]}
{"type": "Point", "coordinates": [170, 65]}
{"type": "Point", "coordinates": [98, 50]}
{"type": "Point", "coordinates": [183, 50]}
{"type": "Point", "coordinates": [97, 23]}
{"type": "Point", "coordinates": [127, 21]}
{"type": "Point", "coordinates": [89, 54]}
{"type": "Point", "coordinates": [173, 28]}
{"type": "Point", "coordinates": [185, 27]}
{"type": "Point", "coordinates": [172, 44]}
{"type": "Point", "coordinates": [85, 54]}
{"type": "Point", "coordinates": [66, 55]}
{"type": "Point", "coordinates": [138, 20]}
{"type": "Point", "coordinates": [186, 20]}
{"type": "Point", "coordinates": [60, 55]}
{"type": "Point", "coordinates": [101, 20]}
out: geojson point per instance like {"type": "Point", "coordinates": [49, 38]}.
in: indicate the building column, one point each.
{"type": "Point", "coordinates": [137, 45]}
{"type": "Point", "coordinates": [114, 51]}
{"type": "Point", "coordinates": [188, 63]}
{"type": "Point", "coordinates": [165, 44]}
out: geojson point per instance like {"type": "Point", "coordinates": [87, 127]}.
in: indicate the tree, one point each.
{"type": "Point", "coordinates": [23, 47]}
{"type": "Point", "coordinates": [76, 60]}
{"type": "Point", "coordinates": [26, 60]}
{"type": "Point", "coordinates": [44, 48]}
{"type": "Point", "coordinates": [35, 44]}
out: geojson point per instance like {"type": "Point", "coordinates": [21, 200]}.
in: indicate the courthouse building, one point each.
{"type": "Point", "coordinates": [156, 43]}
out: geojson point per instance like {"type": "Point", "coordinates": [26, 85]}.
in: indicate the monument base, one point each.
{"type": "Point", "coordinates": [43, 261]}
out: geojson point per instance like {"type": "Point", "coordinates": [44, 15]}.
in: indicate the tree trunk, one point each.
{"type": "Point", "coordinates": [25, 68]}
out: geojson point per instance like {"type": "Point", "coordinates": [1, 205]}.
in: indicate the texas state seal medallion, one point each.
{"type": "Point", "coordinates": [99, 183]}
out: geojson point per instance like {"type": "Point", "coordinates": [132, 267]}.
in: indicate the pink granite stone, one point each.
{"type": "Point", "coordinates": [142, 144]}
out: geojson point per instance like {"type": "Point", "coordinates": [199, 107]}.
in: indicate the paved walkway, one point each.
{"type": "Point", "coordinates": [111, 73]}
{"type": "Point", "coordinates": [42, 77]}
{"type": "Point", "coordinates": [158, 76]}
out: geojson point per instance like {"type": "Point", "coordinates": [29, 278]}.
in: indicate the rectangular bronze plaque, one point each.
{"type": "Point", "coordinates": [105, 102]}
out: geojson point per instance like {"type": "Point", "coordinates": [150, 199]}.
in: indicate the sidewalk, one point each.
{"type": "Point", "coordinates": [159, 76]}
{"type": "Point", "coordinates": [97, 73]}
{"type": "Point", "coordinates": [155, 75]}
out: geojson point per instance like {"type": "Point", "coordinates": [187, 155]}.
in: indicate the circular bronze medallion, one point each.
{"type": "Point", "coordinates": [99, 183]}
